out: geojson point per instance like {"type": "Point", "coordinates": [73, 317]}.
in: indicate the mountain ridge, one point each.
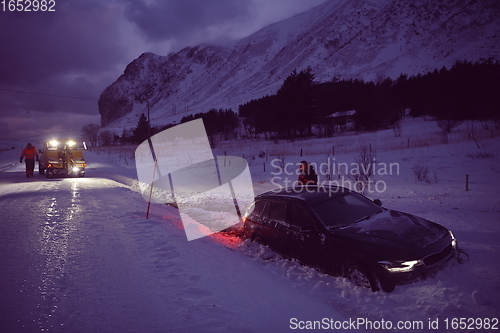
{"type": "Point", "coordinates": [343, 39]}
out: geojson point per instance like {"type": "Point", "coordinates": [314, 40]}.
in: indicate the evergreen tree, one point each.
{"type": "Point", "coordinates": [141, 131]}
{"type": "Point", "coordinates": [296, 101]}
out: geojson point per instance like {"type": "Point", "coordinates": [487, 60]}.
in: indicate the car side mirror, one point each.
{"type": "Point", "coordinates": [377, 202]}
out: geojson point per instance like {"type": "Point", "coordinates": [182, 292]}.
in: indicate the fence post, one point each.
{"type": "Point", "coordinates": [466, 182]}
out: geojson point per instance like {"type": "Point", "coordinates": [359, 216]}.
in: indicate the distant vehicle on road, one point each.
{"type": "Point", "coordinates": [62, 157]}
{"type": "Point", "coordinates": [344, 233]}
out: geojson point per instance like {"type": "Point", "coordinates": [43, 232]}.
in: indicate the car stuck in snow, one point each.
{"type": "Point", "coordinates": [344, 233]}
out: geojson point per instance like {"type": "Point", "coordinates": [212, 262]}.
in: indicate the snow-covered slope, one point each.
{"type": "Point", "coordinates": [340, 38]}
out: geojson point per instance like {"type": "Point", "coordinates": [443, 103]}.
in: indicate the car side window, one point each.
{"type": "Point", "coordinates": [257, 208]}
{"type": "Point", "coordinates": [277, 211]}
{"type": "Point", "coordinates": [300, 217]}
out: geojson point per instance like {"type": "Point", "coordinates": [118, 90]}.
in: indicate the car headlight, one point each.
{"type": "Point", "coordinates": [75, 169]}
{"type": "Point", "coordinates": [453, 239]}
{"type": "Point", "coordinates": [399, 266]}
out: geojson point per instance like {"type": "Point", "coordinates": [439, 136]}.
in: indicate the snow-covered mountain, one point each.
{"type": "Point", "coordinates": [368, 39]}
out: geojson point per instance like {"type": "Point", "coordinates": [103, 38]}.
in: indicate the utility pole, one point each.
{"type": "Point", "coordinates": [149, 122]}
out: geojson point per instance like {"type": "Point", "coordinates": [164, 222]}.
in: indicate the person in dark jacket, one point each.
{"type": "Point", "coordinates": [30, 155]}
{"type": "Point", "coordinates": [307, 174]}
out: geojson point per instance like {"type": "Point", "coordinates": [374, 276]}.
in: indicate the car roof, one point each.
{"type": "Point", "coordinates": [312, 194]}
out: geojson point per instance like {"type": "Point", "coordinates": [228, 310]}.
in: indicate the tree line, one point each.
{"type": "Point", "coordinates": [96, 136]}
{"type": "Point", "coordinates": [465, 91]}
{"type": "Point", "coordinates": [220, 124]}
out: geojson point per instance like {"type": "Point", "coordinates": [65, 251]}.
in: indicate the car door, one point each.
{"type": "Point", "coordinates": [264, 222]}
{"type": "Point", "coordinates": [308, 240]}
{"type": "Point", "coordinates": [253, 217]}
{"type": "Point", "coordinates": [277, 211]}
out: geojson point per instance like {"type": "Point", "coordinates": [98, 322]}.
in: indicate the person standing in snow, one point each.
{"type": "Point", "coordinates": [307, 174]}
{"type": "Point", "coordinates": [30, 154]}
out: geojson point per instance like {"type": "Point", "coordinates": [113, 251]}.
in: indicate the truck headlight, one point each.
{"type": "Point", "coordinates": [398, 266]}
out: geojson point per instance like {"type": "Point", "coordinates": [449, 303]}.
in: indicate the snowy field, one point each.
{"type": "Point", "coordinates": [78, 254]}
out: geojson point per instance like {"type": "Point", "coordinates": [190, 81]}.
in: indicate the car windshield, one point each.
{"type": "Point", "coordinates": [345, 210]}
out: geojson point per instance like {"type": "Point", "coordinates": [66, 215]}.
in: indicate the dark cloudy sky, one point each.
{"type": "Point", "coordinates": [84, 45]}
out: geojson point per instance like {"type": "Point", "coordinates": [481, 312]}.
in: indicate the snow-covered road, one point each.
{"type": "Point", "coordinates": [77, 255]}
{"type": "Point", "coordinates": [67, 264]}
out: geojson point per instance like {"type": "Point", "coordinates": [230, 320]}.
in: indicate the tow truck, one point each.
{"type": "Point", "coordinates": [62, 157]}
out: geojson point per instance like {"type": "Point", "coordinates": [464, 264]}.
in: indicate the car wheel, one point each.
{"type": "Point", "coordinates": [260, 240]}
{"type": "Point", "coordinates": [363, 277]}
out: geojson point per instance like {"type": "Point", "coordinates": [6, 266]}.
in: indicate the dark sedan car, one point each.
{"type": "Point", "coordinates": [344, 233]}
